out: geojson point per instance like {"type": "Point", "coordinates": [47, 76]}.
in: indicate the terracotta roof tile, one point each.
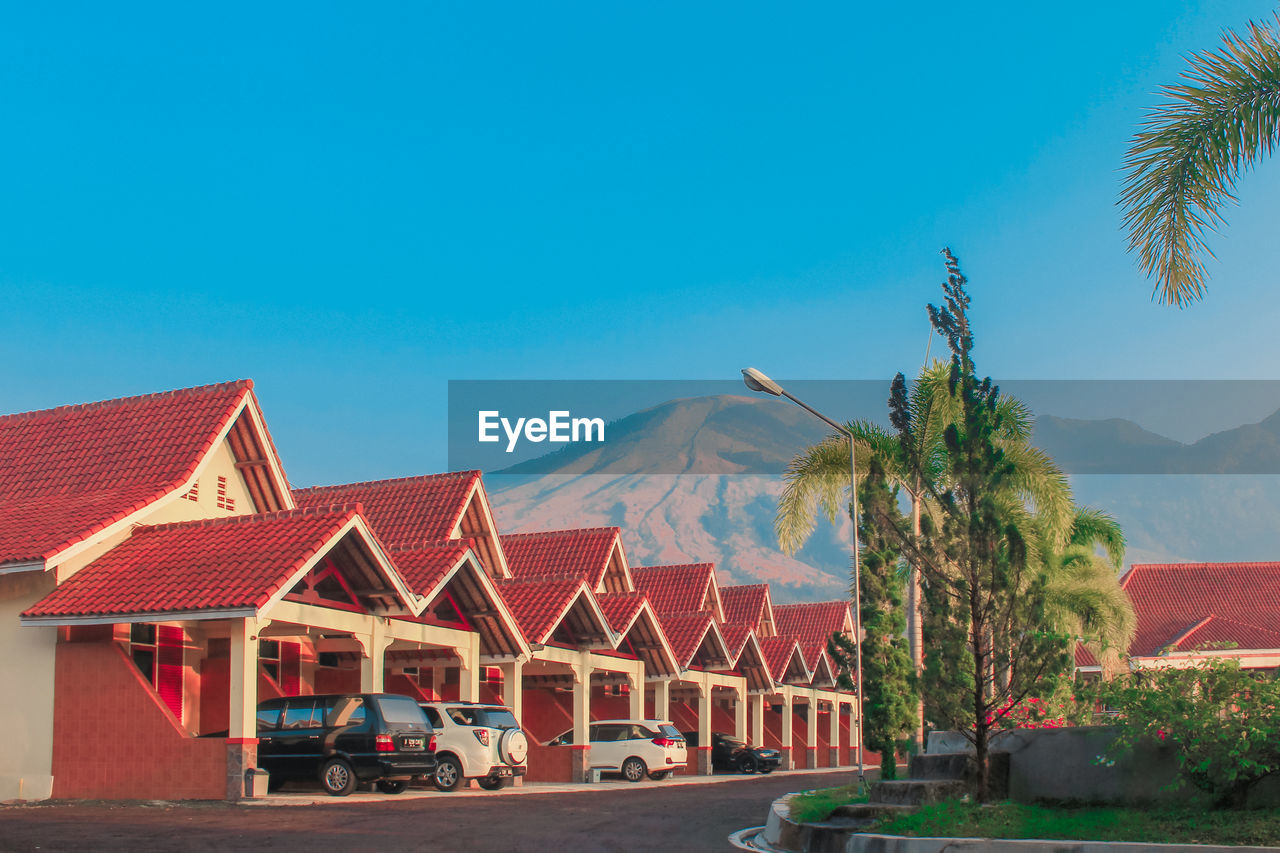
{"type": "Point", "coordinates": [745, 604]}
{"type": "Point", "coordinates": [620, 608]}
{"type": "Point", "coordinates": [538, 603]}
{"type": "Point", "coordinates": [1170, 599]}
{"type": "Point", "coordinates": [582, 553]}
{"type": "Point", "coordinates": [675, 589]}
{"type": "Point", "coordinates": [1216, 630]}
{"type": "Point", "coordinates": [735, 637]}
{"type": "Point", "coordinates": [404, 512]}
{"type": "Point", "coordinates": [69, 472]}
{"type": "Point", "coordinates": [685, 632]}
{"type": "Point", "coordinates": [777, 654]}
{"type": "Point", "coordinates": [812, 624]}
{"type": "Point", "coordinates": [424, 566]}
{"type": "Point", "coordinates": [215, 564]}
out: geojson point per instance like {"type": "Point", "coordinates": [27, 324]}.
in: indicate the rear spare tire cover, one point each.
{"type": "Point", "coordinates": [513, 747]}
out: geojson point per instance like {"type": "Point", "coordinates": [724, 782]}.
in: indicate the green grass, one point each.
{"type": "Point", "coordinates": [1012, 820]}
{"type": "Point", "coordinates": [817, 805]}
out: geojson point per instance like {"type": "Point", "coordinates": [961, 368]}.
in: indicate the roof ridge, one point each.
{"type": "Point", "coordinates": [252, 518]}
{"type": "Point", "coordinates": [195, 390]}
{"type": "Point", "coordinates": [575, 530]}
{"type": "Point", "coordinates": [467, 473]}
{"type": "Point", "coordinates": [400, 548]}
{"type": "Point", "coordinates": [698, 565]}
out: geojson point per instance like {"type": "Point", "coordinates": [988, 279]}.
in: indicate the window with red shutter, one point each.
{"type": "Point", "coordinates": [168, 679]}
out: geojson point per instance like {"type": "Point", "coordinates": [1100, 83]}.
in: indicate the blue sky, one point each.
{"type": "Point", "coordinates": [353, 206]}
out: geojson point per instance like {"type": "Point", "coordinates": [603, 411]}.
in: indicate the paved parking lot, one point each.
{"type": "Point", "coordinates": [614, 816]}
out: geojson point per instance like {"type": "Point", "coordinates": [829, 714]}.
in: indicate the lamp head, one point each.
{"type": "Point", "coordinates": [757, 381]}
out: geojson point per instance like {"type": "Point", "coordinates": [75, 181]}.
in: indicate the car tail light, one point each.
{"type": "Point", "coordinates": [431, 744]}
{"type": "Point", "coordinates": [666, 741]}
{"type": "Point", "coordinates": [482, 735]}
{"type": "Point", "coordinates": [384, 743]}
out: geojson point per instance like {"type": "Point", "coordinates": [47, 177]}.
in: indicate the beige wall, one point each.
{"type": "Point", "coordinates": [26, 673]}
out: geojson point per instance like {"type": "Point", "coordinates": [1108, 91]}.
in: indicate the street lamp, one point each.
{"type": "Point", "coordinates": [757, 381]}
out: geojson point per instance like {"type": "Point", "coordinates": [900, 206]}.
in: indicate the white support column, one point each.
{"type": "Point", "coordinates": [811, 731]}
{"type": "Point", "coordinates": [834, 744]}
{"type": "Point", "coordinates": [513, 687]}
{"type": "Point", "coordinates": [788, 733]}
{"type": "Point", "coordinates": [740, 714]}
{"type": "Point", "coordinates": [582, 717]}
{"type": "Point", "coordinates": [242, 728]}
{"type": "Point", "coordinates": [704, 727]}
{"type": "Point", "coordinates": [662, 700]}
{"type": "Point", "coordinates": [756, 702]}
{"type": "Point", "coordinates": [469, 671]}
{"type": "Point", "coordinates": [373, 664]}
{"type": "Point", "coordinates": [636, 694]}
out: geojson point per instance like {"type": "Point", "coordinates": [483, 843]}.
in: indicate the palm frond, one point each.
{"type": "Point", "coordinates": [1184, 161]}
{"type": "Point", "coordinates": [1095, 528]}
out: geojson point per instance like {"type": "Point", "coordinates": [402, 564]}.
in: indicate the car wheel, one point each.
{"type": "Point", "coordinates": [337, 778]}
{"type": "Point", "coordinates": [492, 783]}
{"type": "Point", "coordinates": [393, 786]}
{"type": "Point", "coordinates": [634, 769]}
{"type": "Point", "coordinates": [748, 763]}
{"type": "Point", "coordinates": [448, 775]}
{"type": "Point", "coordinates": [659, 775]}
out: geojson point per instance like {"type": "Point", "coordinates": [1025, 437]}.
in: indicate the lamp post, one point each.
{"type": "Point", "coordinates": [757, 381]}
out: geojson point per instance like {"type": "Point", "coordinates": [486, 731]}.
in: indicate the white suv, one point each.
{"type": "Point", "coordinates": [634, 748]}
{"type": "Point", "coordinates": [476, 741]}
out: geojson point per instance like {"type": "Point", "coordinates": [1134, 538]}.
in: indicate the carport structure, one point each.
{"type": "Point", "coordinates": [200, 601]}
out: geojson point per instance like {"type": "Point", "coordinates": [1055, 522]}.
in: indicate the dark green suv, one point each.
{"type": "Point", "coordinates": [344, 739]}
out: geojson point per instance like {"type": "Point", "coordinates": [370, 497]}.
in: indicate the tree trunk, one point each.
{"type": "Point", "coordinates": [915, 627]}
{"type": "Point", "coordinates": [978, 631]}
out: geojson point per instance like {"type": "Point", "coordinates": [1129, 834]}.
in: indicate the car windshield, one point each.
{"type": "Point", "coordinates": [402, 711]}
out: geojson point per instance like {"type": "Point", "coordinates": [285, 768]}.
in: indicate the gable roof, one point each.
{"type": "Point", "coordinates": [69, 473]}
{"type": "Point", "coordinates": [688, 631]}
{"type": "Point", "coordinates": [541, 605]}
{"type": "Point", "coordinates": [211, 567]}
{"type": "Point", "coordinates": [781, 655]}
{"type": "Point", "coordinates": [633, 621]}
{"type": "Point", "coordinates": [813, 624]}
{"type": "Point", "coordinates": [747, 604]}
{"type": "Point", "coordinates": [582, 553]}
{"type": "Point", "coordinates": [679, 589]}
{"type": "Point", "coordinates": [1172, 600]}
{"type": "Point", "coordinates": [409, 511]}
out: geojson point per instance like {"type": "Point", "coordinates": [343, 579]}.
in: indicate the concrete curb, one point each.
{"type": "Point", "coordinates": [782, 833]}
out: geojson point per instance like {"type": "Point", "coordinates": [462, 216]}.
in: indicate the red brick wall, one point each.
{"type": "Point", "coordinates": [115, 739]}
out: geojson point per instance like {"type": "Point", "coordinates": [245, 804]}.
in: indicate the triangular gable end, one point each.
{"type": "Point", "coordinates": [643, 637]}
{"type": "Point", "coordinates": [617, 572]}
{"type": "Point", "coordinates": [712, 652]}
{"type": "Point", "coordinates": [466, 597]}
{"type": "Point", "coordinates": [475, 522]}
{"type": "Point", "coordinates": [582, 624]}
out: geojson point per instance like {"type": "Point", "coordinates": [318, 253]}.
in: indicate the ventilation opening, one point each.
{"type": "Point", "coordinates": [224, 502]}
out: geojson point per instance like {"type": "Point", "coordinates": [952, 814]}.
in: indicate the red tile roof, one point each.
{"type": "Point", "coordinates": [686, 631]}
{"type": "Point", "coordinates": [620, 608]}
{"type": "Point", "coordinates": [777, 654]}
{"type": "Point", "coordinates": [424, 566]}
{"type": "Point", "coordinates": [234, 563]}
{"type": "Point", "coordinates": [69, 472]}
{"type": "Point", "coordinates": [745, 604]}
{"type": "Point", "coordinates": [405, 512]}
{"type": "Point", "coordinates": [537, 604]}
{"type": "Point", "coordinates": [582, 553]}
{"type": "Point", "coordinates": [1170, 599]}
{"type": "Point", "coordinates": [675, 589]}
{"type": "Point", "coordinates": [812, 624]}
{"type": "Point", "coordinates": [1218, 630]}
{"type": "Point", "coordinates": [735, 637]}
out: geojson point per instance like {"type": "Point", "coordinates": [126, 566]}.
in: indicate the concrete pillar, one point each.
{"type": "Point", "coordinates": [811, 732]}
{"type": "Point", "coordinates": [788, 762]}
{"type": "Point", "coordinates": [581, 718]}
{"type": "Point", "coordinates": [469, 671]}
{"type": "Point", "coordinates": [373, 664]}
{"type": "Point", "coordinates": [662, 700]}
{"type": "Point", "coordinates": [740, 713]}
{"type": "Point", "coordinates": [834, 746]}
{"type": "Point", "coordinates": [242, 729]}
{"type": "Point", "coordinates": [636, 696]}
{"type": "Point", "coordinates": [704, 727]}
{"type": "Point", "coordinates": [756, 702]}
{"type": "Point", "coordinates": [513, 687]}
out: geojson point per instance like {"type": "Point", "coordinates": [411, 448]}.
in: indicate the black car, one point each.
{"type": "Point", "coordinates": [344, 739]}
{"type": "Point", "coordinates": [729, 753]}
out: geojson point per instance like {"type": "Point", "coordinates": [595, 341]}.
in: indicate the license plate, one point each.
{"type": "Point", "coordinates": [503, 771]}
{"type": "Point", "coordinates": [412, 743]}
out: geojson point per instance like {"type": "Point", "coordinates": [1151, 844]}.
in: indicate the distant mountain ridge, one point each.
{"type": "Point", "coordinates": [699, 479]}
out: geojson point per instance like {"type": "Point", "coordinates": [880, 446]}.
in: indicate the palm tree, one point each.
{"type": "Point", "coordinates": [1183, 163]}
{"type": "Point", "coordinates": [1086, 599]}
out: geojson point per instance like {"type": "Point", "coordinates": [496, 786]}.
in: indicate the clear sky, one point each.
{"type": "Point", "coordinates": [354, 203]}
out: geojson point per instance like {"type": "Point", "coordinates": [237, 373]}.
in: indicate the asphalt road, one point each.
{"type": "Point", "coordinates": [618, 817]}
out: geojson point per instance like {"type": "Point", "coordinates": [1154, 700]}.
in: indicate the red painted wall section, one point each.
{"type": "Point", "coordinates": [722, 720]}
{"type": "Point", "coordinates": [549, 763]}
{"type": "Point", "coordinates": [772, 729]}
{"type": "Point", "coordinates": [215, 693]}
{"type": "Point", "coordinates": [403, 684]}
{"type": "Point", "coordinates": [114, 739]}
{"type": "Point", "coordinates": [330, 680]}
{"type": "Point", "coordinates": [824, 739]}
{"type": "Point", "coordinates": [798, 731]}
{"type": "Point", "coordinates": [547, 714]}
